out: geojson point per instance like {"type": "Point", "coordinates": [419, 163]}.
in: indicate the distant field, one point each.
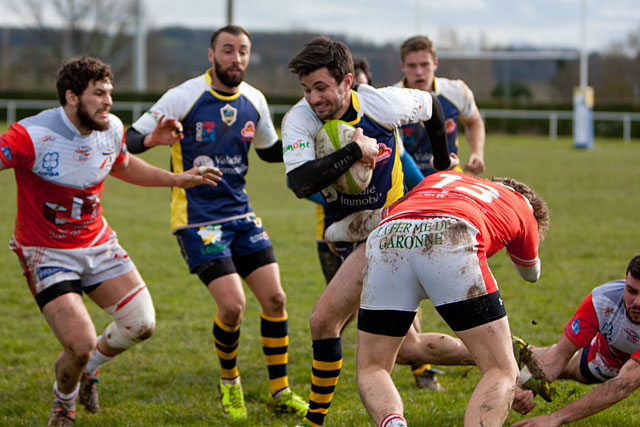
{"type": "Point", "coordinates": [170, 380]}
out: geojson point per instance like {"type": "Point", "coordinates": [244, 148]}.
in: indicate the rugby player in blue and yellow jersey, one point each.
{"type": "Point", "coordinates": [212, 120]}
{"type": "Point", "coordinates": [325, 69]}
{"type": "Point", "coordinates": [419, 64]}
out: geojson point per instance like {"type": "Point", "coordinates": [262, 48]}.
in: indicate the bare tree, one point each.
{"type": "Point", "coordinates": [65, 28]}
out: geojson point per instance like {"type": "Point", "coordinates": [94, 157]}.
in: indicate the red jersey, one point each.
{"type": "Point", "coordinates": [503, 217]}
{"type": "Point", "coordinates": [60, 174]}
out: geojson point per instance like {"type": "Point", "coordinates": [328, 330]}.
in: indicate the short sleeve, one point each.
{"type": "Point", "coordinates": [16, 148]}
{"type": "Point", "coordinates": [584, 325]}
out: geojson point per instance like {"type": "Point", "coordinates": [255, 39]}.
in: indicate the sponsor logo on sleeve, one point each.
{"type": "Point", "coordinates": [155, 115]}
{"type": "Point", "coordinates": [6, 151]}
{"type": "Point", "coordinates": [299, 144]}
{"type": "Point", "coordinates": [575, 327]}
{"type": "Point", "coordinates": [228, 114]}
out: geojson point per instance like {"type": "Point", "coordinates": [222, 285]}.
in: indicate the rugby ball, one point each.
{"type": "Point", "coordinates": [334, 135]}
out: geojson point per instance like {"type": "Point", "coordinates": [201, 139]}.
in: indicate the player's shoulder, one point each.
{"type": "Point", "coordinates": [249, 90]}
{"type": "Point", "coordinates": [301, 115]}
{"type": "Point", "coordinates": [452, 88]}
{"type": "Point", "coordinates": [608, 294]}
{"type": "Point", "coordinates": [191, 88]}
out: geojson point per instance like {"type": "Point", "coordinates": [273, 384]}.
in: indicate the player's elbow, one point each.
{"type": "Point", "coordinates": [530, 273]}
{"type": "Point", "coordinates": [298, 186]}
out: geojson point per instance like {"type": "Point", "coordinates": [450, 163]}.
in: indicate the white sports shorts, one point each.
{"type": "Point", "coordinates": [432, 258]}
{"type": "Point", "coordinates": [45, 267]}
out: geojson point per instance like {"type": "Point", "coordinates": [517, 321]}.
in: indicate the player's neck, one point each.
{"type": "Point", "coordinates": [75, 120]}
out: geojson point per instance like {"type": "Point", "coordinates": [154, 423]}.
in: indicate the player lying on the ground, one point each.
{"type": "Point", "coordinates": [599, 346]}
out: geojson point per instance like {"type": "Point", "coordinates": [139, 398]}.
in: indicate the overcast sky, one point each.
{"type": "Point", "coordinates": [499, 23]}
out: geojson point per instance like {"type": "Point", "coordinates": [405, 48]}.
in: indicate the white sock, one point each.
{"type": "Point", "coordinates": [231, 381]}
{"type": "Point", "coordinates": [525, 376]}
{"type": "Point", "coordinates": [393, 420]}
{"type": "Point", "coordinates": [280, 393]}
{"type": "Point", "coordinates": [66, 400]}
{"type": "Point", "coordinates": [96, 360]}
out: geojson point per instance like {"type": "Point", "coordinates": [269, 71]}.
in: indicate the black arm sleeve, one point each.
{"type": "Point", "coordinates": [272, 154]}
{"type": "Point", "coordinates": [438, 136]}
{"type": "Point", "coordinates": [315, 175]}
{"type": "Point", "coordinates": [135, 141]}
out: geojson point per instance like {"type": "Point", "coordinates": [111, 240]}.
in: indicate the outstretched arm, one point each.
{"type": "Point", "coordinates": [136, 171]}
{"type": "Point", "coordinates": [474, 130]}
{"type": "Point", "coordinates": [598, 399]}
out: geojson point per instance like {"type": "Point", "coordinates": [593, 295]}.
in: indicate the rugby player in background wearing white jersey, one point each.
{"type": "Point", "coordinates": [61, 158]}
{"type": "Point", "coordinates": [419, 65]}
{"type": "Point", "coordinates": [214, 119]}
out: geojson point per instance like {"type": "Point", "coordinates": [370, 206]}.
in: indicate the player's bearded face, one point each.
{"type": "Point", "coordinates": [230, 76]}
{"type": "Point", "coordinates": [94, 105]}
{"type": "Point", "coordinates": [631, 297]}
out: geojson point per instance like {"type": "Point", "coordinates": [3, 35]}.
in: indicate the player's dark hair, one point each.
{"type": "Point", "coordinates": [416, 43]}
{"type": "Point", "coordinates": [361, 64]}
{"type": "Point", "coordinates": [77, 73]}
{"type": "Point", "coordinates": [321, 52]}
{"type": "Point", "coordinates": [634, 267]}
{"type": "Point", "coordinates": [235, 30]}
{"type": "Point", "coordinates": [540, 210]}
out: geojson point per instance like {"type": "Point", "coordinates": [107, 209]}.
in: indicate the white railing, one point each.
{"type": "Point", "coordinates": [137, 108]}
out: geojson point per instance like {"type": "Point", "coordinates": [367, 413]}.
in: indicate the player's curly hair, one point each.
{"type": "Point", "coordinates": [77, 73]}
{"type": "Point", "coordinates": [540, 210]}
{"type": "Point", "coordinates": [634, 267]}
{"type": "Point", "coordinates": [321, 52]}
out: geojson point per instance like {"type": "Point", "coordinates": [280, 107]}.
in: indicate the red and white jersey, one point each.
{"type": "Point", "coordinates": [503, 216]}
{"type": "Point", "coordinates": [601, 322]}
{"type": "Point", "coordinates": [60, 175]}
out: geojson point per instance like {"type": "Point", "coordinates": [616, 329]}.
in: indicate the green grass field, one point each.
{"type": "Point", "coordinates": [171, 379]}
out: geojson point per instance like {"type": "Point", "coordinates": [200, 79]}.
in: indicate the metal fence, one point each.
{"type": "Point", "coordinates": [552, 116]}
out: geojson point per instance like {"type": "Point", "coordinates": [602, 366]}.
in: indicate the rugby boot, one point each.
{"type": "Point", "coordinates": [88, 393]}
{"type": "Point", "coordinates": [538, 382]}
{"type": "Point", "coordinates": [427, 379]}
{"type": "Point", "coordinates": [289, 402]}
{"type": "Point", "coordinates": [233, 401]}
{"type": "Point", "coordinates": [61, 416]}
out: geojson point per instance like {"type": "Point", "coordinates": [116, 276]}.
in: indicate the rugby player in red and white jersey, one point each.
{"type": "Point", "coordinates": [600, 345]}
{"type": "Point", "coordinates": [61, 158]}
{"type": "Point", "coordinates": [434, 244]}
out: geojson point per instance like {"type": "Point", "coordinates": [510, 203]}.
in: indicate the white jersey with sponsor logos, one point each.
{"type": "Point", "coordinates": [602, 325]}
{"type": "Point", "coordinates": [60, 174]}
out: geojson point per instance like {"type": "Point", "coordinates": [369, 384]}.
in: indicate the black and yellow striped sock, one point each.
{"type": "Point", "coordinates": [419, 369]}
{"type": "Point", "coordinates": [226, 339]}
{"type": "Point", "coordinates": [275, 344]}
{"type": "Point", "coordinates": [327, 362]}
